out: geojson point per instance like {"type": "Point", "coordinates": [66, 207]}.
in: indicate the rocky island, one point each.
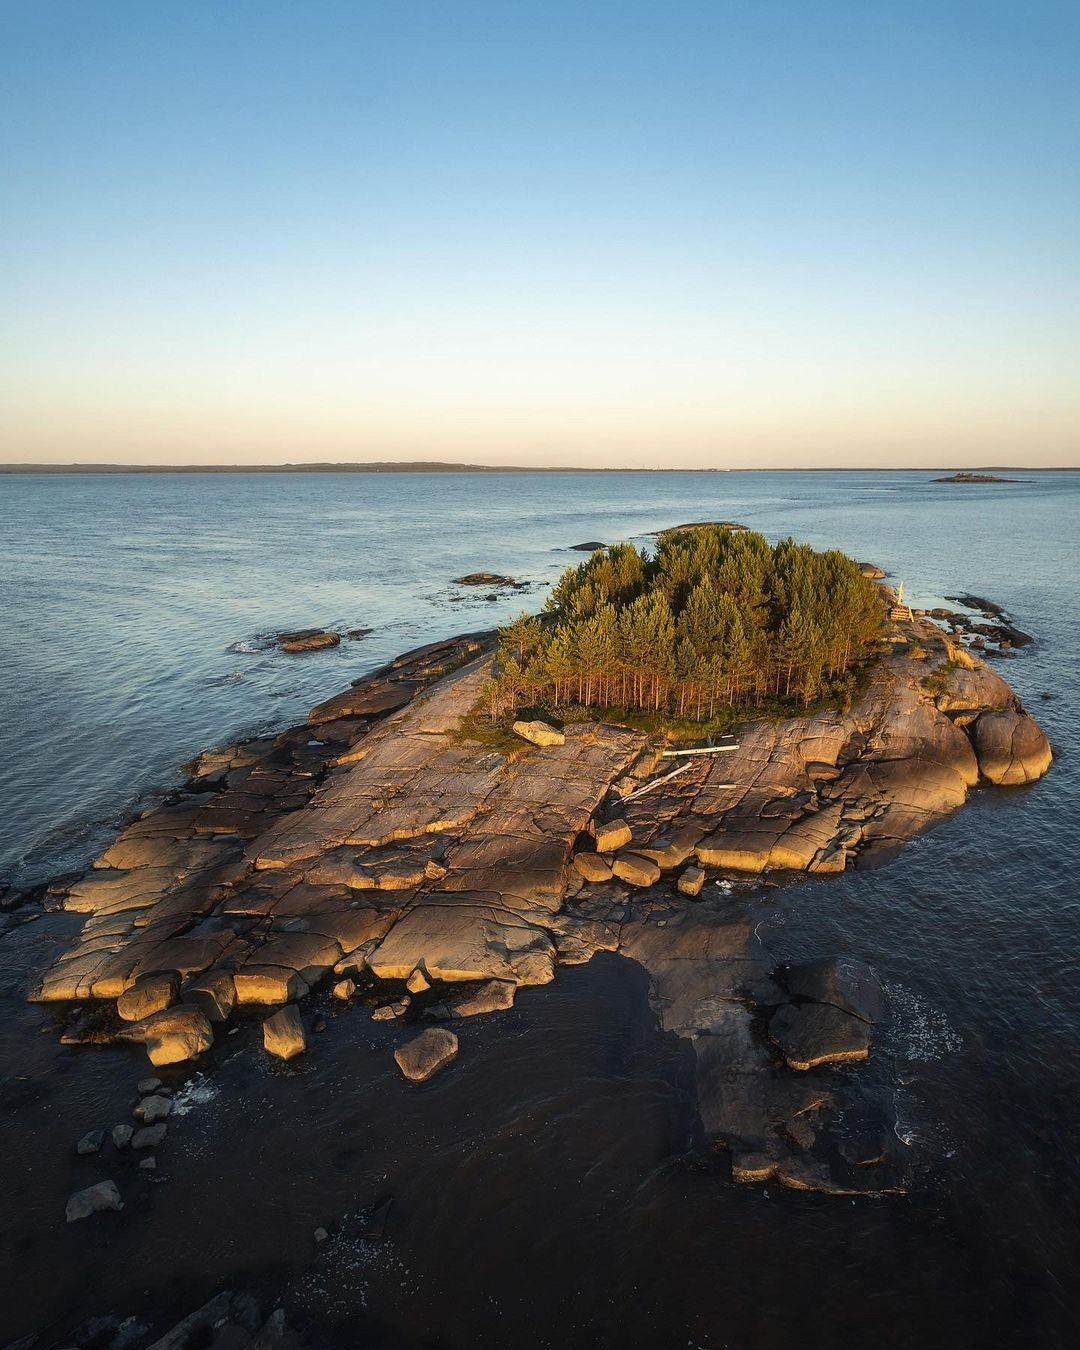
{"type": "Point", "coordinates": [978, 478]}
{"type": "Point", "coordinates": [456, 826]}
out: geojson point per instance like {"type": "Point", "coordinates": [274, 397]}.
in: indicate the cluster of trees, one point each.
{"type": "Point", "coordinates": [713, 619]}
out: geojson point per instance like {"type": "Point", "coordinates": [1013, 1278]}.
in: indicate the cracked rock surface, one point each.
{"type": "Point", "coordinates": [377, 841]}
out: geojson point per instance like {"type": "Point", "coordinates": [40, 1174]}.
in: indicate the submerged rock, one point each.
{"type": "Point", "coordinates": [149, 1136]}
{"type": "Point", "coordinates": [485, 579]}
{"type": "Point", "coordinates": [841, 981]}
{"type": "Point", "coordinates": [494, 996]}
{"type": "Point", "coordinates": [91, 1143]}
{"type": "Point", "coordinates": [153, 1108]}
{"type": "Point", "coordinates": [308, 640]}
{"type": "Point", "coordinates": [93, 1200]}
{"type": "Point", "coordinates": [423, 1057]}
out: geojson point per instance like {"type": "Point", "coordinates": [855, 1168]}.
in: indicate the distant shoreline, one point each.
{"type": "Point", "coordinates": [435, 466]}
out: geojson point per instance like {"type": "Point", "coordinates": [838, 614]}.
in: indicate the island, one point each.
{"type": "Point", "coordinates": [967, 477]}
{"type": "Point", "coordinates": [616, 774]}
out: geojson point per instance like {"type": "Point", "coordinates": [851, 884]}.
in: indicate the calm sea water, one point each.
{"type": "Point", "coordinates": [546, 1192]}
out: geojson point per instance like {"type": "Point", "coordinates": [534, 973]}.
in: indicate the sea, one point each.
{"type": "Point", "coordinates": [554, 1188]}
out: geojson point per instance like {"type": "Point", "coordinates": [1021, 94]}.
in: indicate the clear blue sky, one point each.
{"type": "Point", "coordinates": [603, 231]}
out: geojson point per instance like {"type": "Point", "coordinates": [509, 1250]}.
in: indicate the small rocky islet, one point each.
{"type": "Point", "coordinates": [428, 875]}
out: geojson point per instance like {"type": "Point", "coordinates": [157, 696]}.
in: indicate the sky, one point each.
{"type": "Point", "coordinates": [736, 233]}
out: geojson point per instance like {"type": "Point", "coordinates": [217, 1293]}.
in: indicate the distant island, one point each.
{"type": "Point", "coordinates": [979, 478]}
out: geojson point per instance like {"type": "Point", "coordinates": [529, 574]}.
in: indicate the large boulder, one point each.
{"type": "Point", "coordinates": [612, 835]}
{"type": "Point", "coordinates": [427, 1054]}
{"type": "Point", "coordinates": [636, 869]}
{"type": "Point", "coordinates": [539, 733]}
{"type": "Point", "coordinates": [172, 1036]}
{"type": "Point", "coordinates": [283, 1034]}
{"type": "Point", "coordinates": [1011, 747]}
{"type": "Point", "coordinates": [213, 994]}
{"type": "Point", "coordinates": [592, 867]}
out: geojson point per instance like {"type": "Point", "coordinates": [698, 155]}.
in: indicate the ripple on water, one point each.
{"type": "Point", "coordinates": [917, 1032]}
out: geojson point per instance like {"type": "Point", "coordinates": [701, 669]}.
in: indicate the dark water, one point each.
{"type": "Point", "coordinates": [551, 1190]}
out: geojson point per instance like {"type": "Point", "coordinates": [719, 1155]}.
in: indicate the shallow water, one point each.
{"type": "Point", "coordinates": [551, 1189]}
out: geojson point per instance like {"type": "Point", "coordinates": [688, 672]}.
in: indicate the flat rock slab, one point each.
{"type": "Point", "coordinates": [93, 1200]}
{"type": "Point", "coordinates": [811, 1034]}
{"type": "Point", "coordinates": [283, 1033]}
{"type": "Point", "coordinates": [423, 1057]}
{"type": "Point", "coordinates": [148, 995]}
{"type": "Point", "coordinates": [843, 982]}
{"type": "Point", "coordinates": [494, 996]}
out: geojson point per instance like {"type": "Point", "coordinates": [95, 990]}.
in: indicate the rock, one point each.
{"type": "Point", "coordinates": [173, 1036]}
{"type": "Point", "coordinates": [872, 571]}
{"type": "Point", "coordinates": [320, 1235]}
{"type": "Point", "coordinates": [122, 1135]}
{"type": "Point", "coordinates": [418, 982]}
{"type": "Point", "coordinates": [539, 733]}
{"type": "Point", "coordinates": [484, 579]}
{"type": "Point", "coordinates": [494, 996]}
{"type": "Point", "coordinates": [592, 867]}
{"type": "Point", "coordinates": [810, 1034]}
{"type": "Point", "coordinates": [636, 869]}
{"type": "Point", "coordinates": [91, 1143]}
{"type": "Point", "coordinates": [153, 1108]}
{"type": "Point", "coordinates": [283, 1033]}
{"type": "Point", "coordinates": [691, 881]}
{"type": "Point", "coordinates": [269, 984]}
{"type": "Point", "coordinates": [213, 993]}
{"type": "Point", "coordinates": [149, 994]}
{"type": "Point", "coordinates": [368, 700]}
{"type": "Point", "coordinates": [307, 640]}
{"type": "Point", "coordinates": [355, 634]}
{"type": "Point", "coordinates": [844, 983]}
{"type": "Point", "coordinates": [590, 547]}
{"type": "Point", "coordinates": [389, 1011]}
{"type": "Point", "coordinates": [344, 990]}
{"type": "Point", "coordinates": [93, 1200]}
{"type": "Point", "coordinates": [146, 1086]}
{"type": "Point", "coordinates": [1010, 746]}
{"type": "Point", "coordinates": [614, 835]}
{"type": "Point", "coordinates": [149, 1136]}
{"type": "Point", "coordinates": [148, 1164]}
{"type": "Point", "coordinates": [427, 1054]}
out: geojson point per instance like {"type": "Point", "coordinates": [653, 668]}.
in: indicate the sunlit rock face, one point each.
{"type": "Point", "coordinates": [378, 842]}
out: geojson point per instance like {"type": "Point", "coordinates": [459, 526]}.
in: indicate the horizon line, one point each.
{"type": "Point", "coordinates": [443, 466]}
